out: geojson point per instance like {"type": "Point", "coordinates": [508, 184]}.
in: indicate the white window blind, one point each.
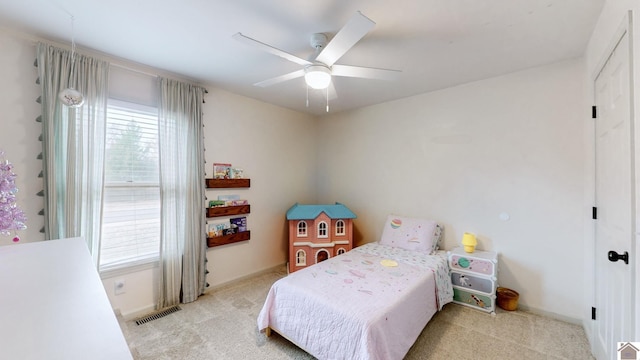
{"type": "Point", "coordinates": [131, 210]}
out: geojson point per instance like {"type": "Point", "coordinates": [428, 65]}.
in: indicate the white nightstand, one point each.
{"type": "Point", "coordinates": [474, 278]}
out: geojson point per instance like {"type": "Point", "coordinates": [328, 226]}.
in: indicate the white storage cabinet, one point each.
{"type": "Point", "coordinates": [474, 278]}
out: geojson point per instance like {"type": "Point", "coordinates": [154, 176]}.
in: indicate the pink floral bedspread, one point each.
{"type": "Point", "coordinates": [352, 306]}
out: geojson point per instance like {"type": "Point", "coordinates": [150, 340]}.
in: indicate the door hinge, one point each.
{"type": "Point", "coordinates": [594, 112]}
{"type": "Point", "coordinates": [593, 313]}
{"type": "Point", "coordinates": [594, 213]}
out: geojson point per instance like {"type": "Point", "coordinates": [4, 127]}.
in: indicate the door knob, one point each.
{"type": "Point", "coordinates": [614, 256]}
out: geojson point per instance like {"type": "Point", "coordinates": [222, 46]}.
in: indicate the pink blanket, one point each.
{"type": "Point", "coordinates": [356, 306]}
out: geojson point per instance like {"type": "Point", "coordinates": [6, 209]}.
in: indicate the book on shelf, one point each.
{"type": "Point", "coordinates": [221, 171]}
{"type": "Point", "coordinates": [222, 203]}
{"type": "Point", "coordinates": [240, 223]}
{"type": "Point", "coordinates": [229, 231]}
{"type": "Point", "coordinates": [236, 202]}
{"type": "Point", "coordinates": [228, 197]}
{"type": "Point", "coordinates": [231, 200]}
{"type": "Point", "coordinates": [216, 203]}
{"type": "Point", "coordinates": [217, 227]}
{"type": "Point", "coordinates": [237, 173]}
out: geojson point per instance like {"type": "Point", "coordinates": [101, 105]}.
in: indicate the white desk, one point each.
{"type": "Point", "coordinates": [53, 304]}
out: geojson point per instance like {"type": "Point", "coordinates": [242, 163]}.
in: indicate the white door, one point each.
{"type": "Point", "coordinates": [615, 205]}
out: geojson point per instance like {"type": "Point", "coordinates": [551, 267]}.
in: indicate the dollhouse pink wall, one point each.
{"type": "Point", "coordinates": [311, 244]}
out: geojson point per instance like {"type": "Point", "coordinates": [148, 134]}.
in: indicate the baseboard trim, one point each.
{"type": "Point", "coordinates": [550, 314]}
{"type": "Point", "coordinates": [245, 277]}
{"type": "Point", "coordinates": [139, 312]}
{"type": "Point", "coordinates": [145, 310]}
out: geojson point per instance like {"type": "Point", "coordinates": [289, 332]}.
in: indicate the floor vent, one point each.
{"type": "Point", "coordinates": [158, 315]}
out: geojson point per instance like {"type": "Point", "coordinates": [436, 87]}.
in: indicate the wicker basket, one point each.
{"type": "Point", "coordinates": [507, 298]}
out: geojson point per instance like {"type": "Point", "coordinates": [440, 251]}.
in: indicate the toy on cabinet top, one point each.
{"type": "Point", "coordinates": [318, 232]}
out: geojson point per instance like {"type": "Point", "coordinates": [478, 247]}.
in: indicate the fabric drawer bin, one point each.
{"type": "Point", "coordinates": [474, 299]}
{"type": "Point", "coordinates": [472, 282]}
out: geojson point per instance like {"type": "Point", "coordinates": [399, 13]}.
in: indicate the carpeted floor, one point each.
{"type": "Point", "coordinates": [222, 325]}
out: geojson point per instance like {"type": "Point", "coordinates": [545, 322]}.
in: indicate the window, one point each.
{"type": "Point", "coordinates": [302, 229]}
{"type": "Point", "coordinates": [322, 229]}
{"type": "Point", "coordinates": [341, 251]}
{"type": "Point", "coordinates": [340, 227]}
{"type": "Point", "coordinates": [131, 208]}
{"type": "Point", "coordinates": [301, 258]}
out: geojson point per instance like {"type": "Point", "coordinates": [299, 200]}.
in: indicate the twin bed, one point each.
{"type": "Point", "coordinates": [369, 303]}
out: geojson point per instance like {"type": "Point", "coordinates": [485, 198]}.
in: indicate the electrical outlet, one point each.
{"type": "Point", "coordinates": [119, 287]}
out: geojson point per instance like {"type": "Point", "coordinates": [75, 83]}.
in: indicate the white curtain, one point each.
{"type": "Point", "coordinates": [182, 238]}
{"type": "Point", "coordinates": [73, 142]}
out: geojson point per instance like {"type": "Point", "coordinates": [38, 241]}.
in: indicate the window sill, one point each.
{"type": "Point", "coordinates": [128, 268]}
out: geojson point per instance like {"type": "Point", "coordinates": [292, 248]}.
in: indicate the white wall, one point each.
{"type": "Point", "coordinates": [464, 155]}
{"type": "Point", "coordinates": [275, 146]}
{"type": "Point", "coordinates": [610, 21]}
{"type": "Point", "coordinates": [18, 129]}
{"type": "Point", "coordinates": [139, 297]}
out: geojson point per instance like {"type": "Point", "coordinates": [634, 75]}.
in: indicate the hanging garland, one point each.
{"type": "Point", "coordinates": [12, 218]}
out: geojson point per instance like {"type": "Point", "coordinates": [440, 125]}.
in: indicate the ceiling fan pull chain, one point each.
{"type": "Point", "coordinates": [327, 99]}
{"type": "Point", "coordinates": [307, 95]}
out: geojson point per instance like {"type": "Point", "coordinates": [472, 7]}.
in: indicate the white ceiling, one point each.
{"type": "Point", "coordinates": [435, 43]}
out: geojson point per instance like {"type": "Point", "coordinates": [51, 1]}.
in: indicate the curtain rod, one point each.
{"type": "Point", "coordinates": [113, 60]}
{"type": "Point", "coordinates": [125, 67]}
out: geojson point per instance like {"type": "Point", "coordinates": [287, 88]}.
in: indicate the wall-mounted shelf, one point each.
{"type": "Point", "coordinates": [228, 239]}
{"type": "Point", "coordinates": [228, 210]}
{"type": "Point", "coordinates": [228, 183]}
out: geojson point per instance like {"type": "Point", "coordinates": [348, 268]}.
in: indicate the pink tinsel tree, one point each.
{"type": "Point", "coordinates": [11, 216]}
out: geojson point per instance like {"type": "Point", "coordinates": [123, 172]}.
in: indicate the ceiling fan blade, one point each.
{"type": "Point", "coordinates": [270, 49]}
{"type": "Point", "coordinates": [365, 72]}
{"type": "Point", "coordinates": [281, 78]}
{"type": "Point", "coordinates": [354, 30]}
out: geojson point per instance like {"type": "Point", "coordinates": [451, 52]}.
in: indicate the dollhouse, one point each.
{"type": "Point", "coordinates": [318, 232]}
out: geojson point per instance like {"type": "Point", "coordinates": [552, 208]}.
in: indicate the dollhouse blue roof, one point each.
{"type": "Point", "coordinates": [309, 212]}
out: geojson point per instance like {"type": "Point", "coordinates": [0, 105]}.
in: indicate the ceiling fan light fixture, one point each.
{"type": "Point", "coordinates": [317, 76]}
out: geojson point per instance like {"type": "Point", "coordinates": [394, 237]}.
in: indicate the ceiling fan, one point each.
{"type": "Point", "coordinates": [320, 68]}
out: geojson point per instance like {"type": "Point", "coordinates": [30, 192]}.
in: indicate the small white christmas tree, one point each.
{"type": "Point", "coordinates": [12, 218]}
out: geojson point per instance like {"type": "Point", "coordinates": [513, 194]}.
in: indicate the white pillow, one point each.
{"type": "Point", "coordinates": [411, 234]}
